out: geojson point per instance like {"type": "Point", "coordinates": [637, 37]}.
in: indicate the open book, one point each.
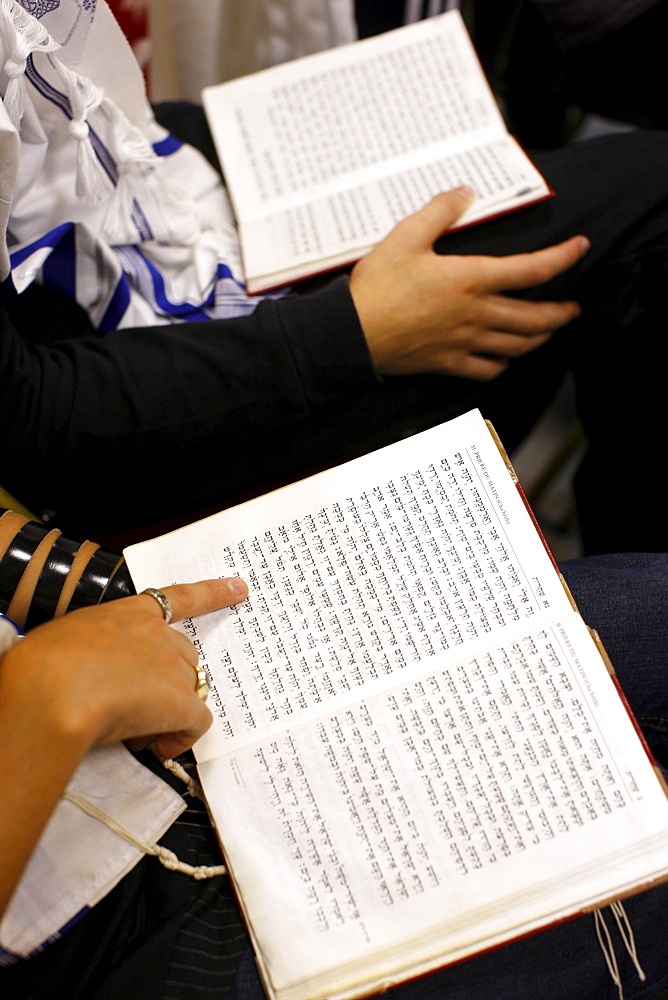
{"type": "Point", "coordinates": [323, 155]}
{"type": "Point", "coordinates": [419, 750]}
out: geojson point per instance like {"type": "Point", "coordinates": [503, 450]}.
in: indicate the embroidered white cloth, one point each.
{"type": "Point", "coordinates": [98, 199]}
{"type": "Point", "coordinates": [62, 882]}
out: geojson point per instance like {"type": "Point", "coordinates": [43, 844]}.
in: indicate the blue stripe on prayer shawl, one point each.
{"type": "Point", "coordinates": [179, 310]}
{"type": "Point", "coordinates": [163, 303]}
{"type": "Point", "coordinates": [224, 271]}
{"type": "Point", "coordinates": [167, 146]}
{"type": "Point", "coordinates": [54, 96]}
{"type": "Point", "coordinates": [118, 306]}
{"type": "Point", "coordinates": [59, 269]}
{"type": "Point", "coordinates": [47, 90]}
{"type": "Point", "coordinates": [141, 222]}
{"type": "Point", "coordinates": [197, 316]}
{"type": "Point", "coordinates": [50, 239]}
{"type": "Point", "coordinates": [104, 157]}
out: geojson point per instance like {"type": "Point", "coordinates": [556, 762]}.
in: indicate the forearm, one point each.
{"type": "Point", "coordinates": [40, 574]}
{"type": "Point", "coordinates": [43, 574]}
{"type": "Point", "coordinates": [100, 675]}
{"type": "Point", "coordinates": [89, 415]}
{"type": "Point", "coordinates": [37, 765]}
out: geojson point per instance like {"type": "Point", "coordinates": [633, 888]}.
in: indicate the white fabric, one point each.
{"type": "Point", "coordinates": [136, 227]}
{"type": "Point", "coordinates": [9, 634]}
{"type": "Point", "coordinates": [201, 42]}
{"type": "Point", "coordinates": [61, 881]}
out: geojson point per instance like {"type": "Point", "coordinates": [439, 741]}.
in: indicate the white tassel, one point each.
{"type": "Point", "coordinates": [20, 35]}
{"type": "Point", "coordinates": [92, 183]}
{"type": "Point", "coordinates": [140, 178]}
{"type": "Point", "coordinates": [179, 771]}
{"type": "Point", "coordinates": [15, 92]}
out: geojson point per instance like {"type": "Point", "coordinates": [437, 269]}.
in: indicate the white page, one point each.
{"type": "Point", "coordinates": [410, 537]}
{"type": "Point", "coordinates": [408, 810]}
{"type": "Point", "coordinates": [339, 227]}
{"type": "Point", "coordinates": [295, 138]}
{"type": "Point", "coordinates": [370, 570]}
{"type": "Point", "coordinates": [357, 116]}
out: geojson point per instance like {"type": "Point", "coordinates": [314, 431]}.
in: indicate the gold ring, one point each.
{"type": "Point", "coordinates": [202, 683]}
{"type": "Point", "coordinates": [162, 600]}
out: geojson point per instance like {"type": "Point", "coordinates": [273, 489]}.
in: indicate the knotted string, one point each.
{"type": "Point", "coordinates": [166, 857]}
{"type": "Point", "coordinates": [92, 182]}
{"type": "Point", "coordinates": [20, 35]}
{"type": "Point", "coordinates": [607, 947]}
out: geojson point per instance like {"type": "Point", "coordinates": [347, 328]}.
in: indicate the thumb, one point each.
{"type": "Point", "coordinates": [431, 221]}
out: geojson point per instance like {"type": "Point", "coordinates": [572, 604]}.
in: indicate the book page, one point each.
{"type": "Point", "coordinates": [359, 576]}
{"type": "Point", "coordinates": [337, 227]}
{"type": "Point", "coordinates": [482, 799]}
{"type": "Point", "coordinates": [312, 121]}
{"type": "Point", "coordinates": [412, 104]}
{"type": "Point", "coordinates": [413, 728]}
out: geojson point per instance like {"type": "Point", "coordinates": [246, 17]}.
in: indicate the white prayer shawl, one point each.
{"type": "Point", "coordinates": [105, 204]}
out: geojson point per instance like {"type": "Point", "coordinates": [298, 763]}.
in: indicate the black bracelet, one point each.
{"type": "Point", "coordinates": [51, 581]}
{"type": "Point", "coordinates": [18, 554]}
{"type": "Point", "coordinates": [94, 579]}
{"type": "Point", "coordinates": [120, 584]}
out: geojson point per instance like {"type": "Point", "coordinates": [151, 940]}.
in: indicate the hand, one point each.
{"type": "Point", "coordinates": [117, 671]}
{"type": "Point", "coordinates": [111, 672]}
{"type": "Point", "coordinates": [423, 312]}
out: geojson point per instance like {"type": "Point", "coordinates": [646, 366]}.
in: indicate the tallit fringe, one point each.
{"type": "Point", "coordinates": [20, 35]}
{"type": "Point", "coordinates": [139, 177]}
{"type": "Point", "coordinates": [92, 182]}
{"type": "Point", "coordinates": [607, 946]}
{"type": "Point", "coordinates": [166, 857]}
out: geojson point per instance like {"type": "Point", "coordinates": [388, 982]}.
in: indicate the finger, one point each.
{"type": "Point", "coordinates": [172, 744]}
{"type": "Point", "coordinates": [524, 317]}
{"type": "Point", "coordinates": [190, 599]}
{"type": "Point", "coordinates": [421, 229]}
{"type": "Point", "coordinates": [482, 367]}
{"type": "Point", "coordinates": [529, 270]}
{"type": "Point", "coordinates": [492, 357]}
{"type": "Point", "coordinates": [499, 344]}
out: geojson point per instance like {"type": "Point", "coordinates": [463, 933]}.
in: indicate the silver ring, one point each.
{"type": "Point", "coordinates": [162, 600]}
{"type": "Point", "coordinates": [202, 683]}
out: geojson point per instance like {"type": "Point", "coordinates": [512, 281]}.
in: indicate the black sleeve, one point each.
{"type": "Point", "coordinates": [79, 412]}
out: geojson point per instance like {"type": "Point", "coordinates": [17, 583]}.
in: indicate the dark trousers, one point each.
{"type": "Point", "coordinates": [613, 189]}
{"type": "Point", "coordinates": [161, 935]}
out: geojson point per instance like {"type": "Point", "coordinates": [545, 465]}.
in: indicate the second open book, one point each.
{"type": "Point", "coordinates": [419, 750]}
{"type": "Point", "coordinates": [325, 154]}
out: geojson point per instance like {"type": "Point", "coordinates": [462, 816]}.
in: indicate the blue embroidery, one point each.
{"type": "Point", "coordinates": [38, 8]}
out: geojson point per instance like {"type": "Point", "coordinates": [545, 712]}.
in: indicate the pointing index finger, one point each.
{"type": "Point", "coordinates": [191, 599]}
